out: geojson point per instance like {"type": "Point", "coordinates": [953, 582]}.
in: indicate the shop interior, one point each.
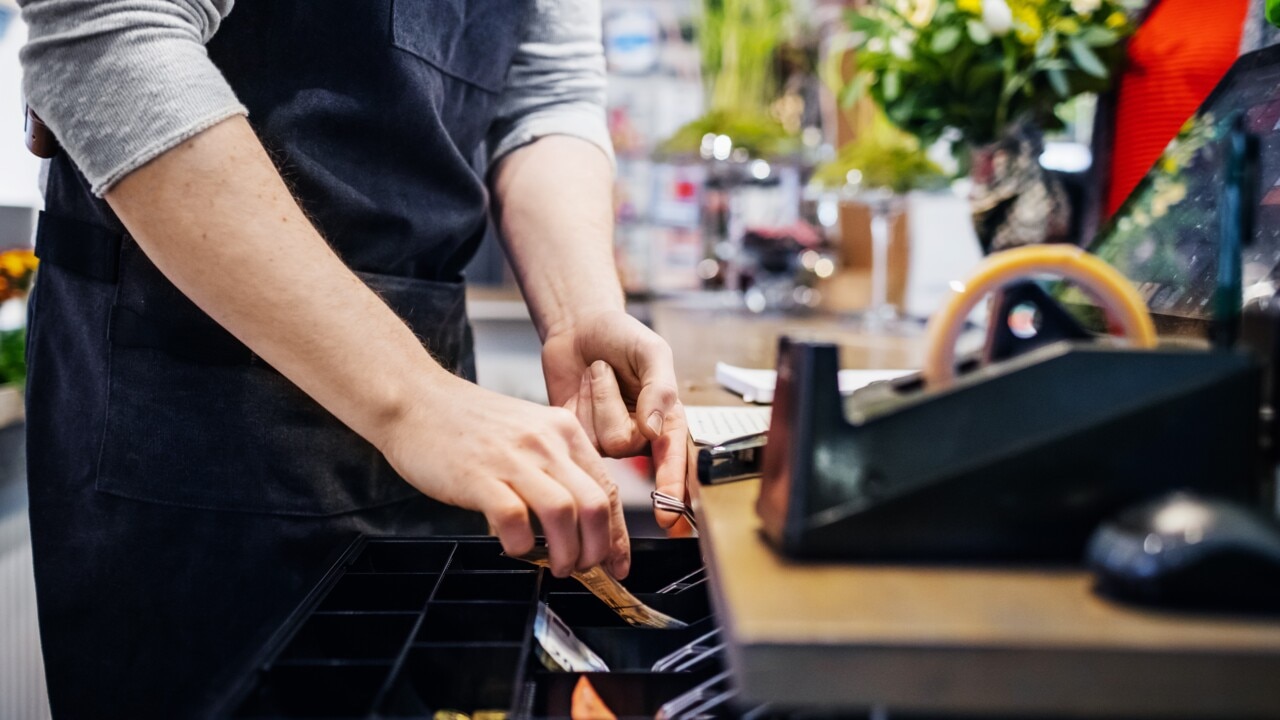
{"type": "Point", "coordinates": [972, 304]}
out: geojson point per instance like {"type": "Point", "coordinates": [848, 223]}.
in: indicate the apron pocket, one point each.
{"type": "Point", "coordinates": [471, 40]}
{"type": "Point", "coordinates": [232, 433]}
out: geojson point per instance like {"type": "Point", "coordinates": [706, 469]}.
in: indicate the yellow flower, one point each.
{"type": "Point", "coordinates": [12, 265]}
{"type": "Point", "coordinates": [1169, 164]}
{"type": "Point", "coordinates": [1117, 20]}
{"type": "Point", "coordinates": [17, 264]}
{"type": "Point", "coordinates": [973, 7]}
{"type": "Point", "coordinates": [1027, 24]}
{"type": "Point", "coordinates": [1067, 26]}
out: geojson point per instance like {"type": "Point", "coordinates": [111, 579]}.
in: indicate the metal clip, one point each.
{"type": "Point", "coordinates": [663, 501]}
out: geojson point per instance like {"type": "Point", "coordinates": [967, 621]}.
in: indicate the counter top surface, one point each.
{"type": "Point", "coordinates": [970, 639]}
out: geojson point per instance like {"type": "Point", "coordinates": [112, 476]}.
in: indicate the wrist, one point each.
{"type": "Point", "coordinates": [408, 402]}
{"type": "Point", "coordinates": [574, 316]}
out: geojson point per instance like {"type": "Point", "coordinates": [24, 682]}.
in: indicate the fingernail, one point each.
{"type": "Point", "coordinates": [655, 422]}
{"type": "Point", "coordinates": [598, 369]}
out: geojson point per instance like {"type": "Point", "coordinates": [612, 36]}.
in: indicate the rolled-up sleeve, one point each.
{"type": "Point", "coordinates": [122, 81]}
{"type": "Point", "coordinates": [556, 85]}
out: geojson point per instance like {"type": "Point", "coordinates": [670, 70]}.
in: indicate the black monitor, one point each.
{"type": "Point", "coordinates": [1165, 236]}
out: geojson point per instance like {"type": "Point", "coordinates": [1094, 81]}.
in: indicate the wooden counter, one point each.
{"type": "Point", "coordinates": [984, 641]}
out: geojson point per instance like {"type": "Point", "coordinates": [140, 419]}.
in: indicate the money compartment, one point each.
{"type": "Point", "coordinates": [407, 627]}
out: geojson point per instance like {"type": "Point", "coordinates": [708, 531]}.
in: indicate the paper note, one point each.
{"type": "Point", "coordinates": [757, 385]}
{"type": "Point", "coordinates": [713, 425]}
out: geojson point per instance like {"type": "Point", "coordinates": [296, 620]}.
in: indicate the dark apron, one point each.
{"type": "Point", "coordinates": [184, 495]}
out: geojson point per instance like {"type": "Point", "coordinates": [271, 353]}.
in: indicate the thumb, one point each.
{"type": "Point", "coordinates": [659, 396]}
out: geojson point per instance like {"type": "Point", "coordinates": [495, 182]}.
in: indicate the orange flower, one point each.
{"type": "Point", "coordinates": [17, 267]}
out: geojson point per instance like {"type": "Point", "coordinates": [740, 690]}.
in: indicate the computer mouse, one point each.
{"type": "Point", "coordinates": [1189, 551]}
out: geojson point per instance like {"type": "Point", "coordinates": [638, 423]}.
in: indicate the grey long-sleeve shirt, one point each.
{"type": "Point", "coordinates": [122, 81]}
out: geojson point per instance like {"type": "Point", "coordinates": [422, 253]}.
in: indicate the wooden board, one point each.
{"type": "Point", "coordinates": [975, 640]}
{"type": "Point", "coordinates": [984, 640]}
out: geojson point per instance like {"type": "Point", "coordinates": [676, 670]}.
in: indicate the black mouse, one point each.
{"type": "Point", "coordinates": [1192, 552]}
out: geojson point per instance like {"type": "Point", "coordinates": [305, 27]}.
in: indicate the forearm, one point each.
{"type": "Point", "coordinates": [555, 209]}
{"type": "Point", "coordinates": [215, 217]}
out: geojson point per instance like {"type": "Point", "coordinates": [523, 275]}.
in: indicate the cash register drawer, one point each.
{"type": "Point", "coordinates": [402, 628]}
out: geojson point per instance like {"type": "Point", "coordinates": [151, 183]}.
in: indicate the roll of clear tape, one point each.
{"type": "Point", "coordinates": [1112, 290]}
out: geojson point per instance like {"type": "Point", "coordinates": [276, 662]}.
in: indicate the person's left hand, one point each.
{"type": "Point", "coordinates": [618, 377]}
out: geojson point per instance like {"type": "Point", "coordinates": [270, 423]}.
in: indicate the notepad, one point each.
{"type": "Point", "coordinates": [714, 424]}
{"type": "Point", "coordinates": [756, 386]}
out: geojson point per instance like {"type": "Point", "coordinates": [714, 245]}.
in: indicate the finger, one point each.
{"type": "Point", "coordinates": [509, 517]}
{"type": "Point", "coordinates": [593, 514]}
{"type": "Point", "coordinates": [615, 431]}
{"type": "Point", "coordinates": [658, 395]}
{"type": "Point", "coordinates": [670, 459]}
{"type": "Point", "coordinates": [556, 510]}
{"type": "Point", "coordinates": [619, 554]}
{"type": "Point", "coordinates": [583, 409]}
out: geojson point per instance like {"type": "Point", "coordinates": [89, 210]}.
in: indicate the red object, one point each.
{"type": "Point", "coordinates": [1174, 60]}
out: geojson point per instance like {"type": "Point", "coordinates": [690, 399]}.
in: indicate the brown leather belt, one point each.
{"type": "Point", "coordinates": [40, 139]}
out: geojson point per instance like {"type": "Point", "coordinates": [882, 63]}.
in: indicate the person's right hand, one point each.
{"type": "Point", "coordinates": [483, 451]}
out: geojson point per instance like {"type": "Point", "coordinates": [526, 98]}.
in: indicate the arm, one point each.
{"type": "Point", "coordinates": [243, 251]}
{"type": "Point", "coordinates": [553, 185]}
{"type": "Point", "coordinates": [207, 205]}
{"type": "Point", "coordinates": [556, 215]}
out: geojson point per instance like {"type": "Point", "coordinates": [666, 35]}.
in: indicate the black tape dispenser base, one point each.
{"type": "Point", "coordinates": [1019, 460]}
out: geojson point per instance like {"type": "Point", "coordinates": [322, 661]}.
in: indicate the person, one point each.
{"type": "Point", "coordinates": [248, 339]}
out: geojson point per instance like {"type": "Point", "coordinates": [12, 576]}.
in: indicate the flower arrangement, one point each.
{"type": "Point", "coordinates": [17, 270]}
{"type": "Point", "coordinates": [980, 65]}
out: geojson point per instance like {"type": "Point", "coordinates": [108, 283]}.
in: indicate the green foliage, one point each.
{"type": "Point", "coordinates": [886, 157]}
{"type": "Point", "coordinates": [760, 135]}
{"type": "Point", "coordinates": [13, 365]}
{"type": "Point", "coordinates": [739, 40]}
{"type": "Point", "coordinates": [978, 65]}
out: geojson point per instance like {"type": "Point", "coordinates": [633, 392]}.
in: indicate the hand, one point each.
{"type": "Point", "coordinates": [480, 450]}
{"type": "Point", "coordinates": [618, 378]}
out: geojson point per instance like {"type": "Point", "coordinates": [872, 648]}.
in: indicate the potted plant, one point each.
{"type": "Point", "coordinates": [739, 41]}
{"type": "Point", "coordinates": [989, 74]}
{"type": "Point", "coordinates": [17, 270]}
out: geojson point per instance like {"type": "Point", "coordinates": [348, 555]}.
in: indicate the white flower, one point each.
{"type": "Point", "coordinates": [923, 12]}
{"type": "Point", "coordinates": [1085, 7]}
{"type": "Point", "coordinates": [997, 16]}
{"type": "Point", "coordinates": [900, 48]}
